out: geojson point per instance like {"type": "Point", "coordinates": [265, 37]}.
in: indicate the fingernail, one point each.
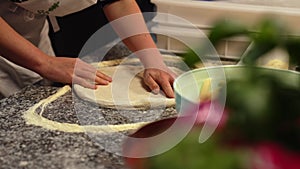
{"type": "Point", "coordinates": [155, 91]}
{"type": "Point", "coordinates": [172, 96]}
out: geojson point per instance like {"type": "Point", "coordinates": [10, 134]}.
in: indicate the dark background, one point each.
{"type": "Point", "coordinates": [77, 28]}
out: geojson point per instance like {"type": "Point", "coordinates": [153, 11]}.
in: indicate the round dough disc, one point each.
{"type": "Point", "coordinates": [127, 90]}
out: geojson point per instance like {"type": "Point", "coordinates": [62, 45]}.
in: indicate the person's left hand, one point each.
{"type": "Point", "coordinates": [160, 79]}
{"type": "Point", "coordinates": [73, 71]}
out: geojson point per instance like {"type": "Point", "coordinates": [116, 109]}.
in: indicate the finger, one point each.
{"type": "Point", "coordinates": [82, 82]}
{"type": "Point", "coordinates": [103, 76]}
{"type": "Point", "coordinates": [86, 70]}
{"type": "Point", "coordinates": [85, 74]}
{"type": "Point", "coordinates": [150, 82]}
{"type": "Point", "coordinates": [167, 88]}
{"type": "Point", "coordinates": [97, 77]}
{"type": "Point", "coordinates": [101, 81]}
{"type": "Point", "coordinates": [171, 80]}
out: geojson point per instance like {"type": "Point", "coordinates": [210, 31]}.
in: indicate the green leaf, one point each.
{"type": "Point", "coordinates": [226, 29]}
{"type": "Point", "coordinates": [191, 58]}
{"type": "Point", "coordinates": [269, 36]}
{"type": "Point", "coordinates": [270, 31]}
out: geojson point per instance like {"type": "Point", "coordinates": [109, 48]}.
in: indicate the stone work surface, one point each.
{"type": "Point", "coordinates": [29, 146]}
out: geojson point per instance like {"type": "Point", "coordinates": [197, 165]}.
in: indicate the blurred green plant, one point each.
{"type": "Point", "coordinates": [189, 154]}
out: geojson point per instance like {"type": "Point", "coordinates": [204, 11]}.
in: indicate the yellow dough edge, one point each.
{"type": "Point", "coordinates": [33, 118]}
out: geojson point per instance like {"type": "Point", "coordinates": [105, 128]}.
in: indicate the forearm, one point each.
{"type": "Point", "coordinates": [18, 50]}
{"type": "Point", "coordinates": [59, 69]}
{"type": "Point", "coordinates": [127, 20]}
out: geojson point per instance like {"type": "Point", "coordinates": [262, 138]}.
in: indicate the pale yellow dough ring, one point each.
{"type": "Point", "coordinates": [33, 118]}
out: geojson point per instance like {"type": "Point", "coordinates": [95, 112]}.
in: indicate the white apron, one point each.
{"type": "Point", "coordinates": [32, 24]}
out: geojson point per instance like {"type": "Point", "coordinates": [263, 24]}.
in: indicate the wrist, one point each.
{"type": "Point", "coordinates": [42, 64]}
{"type": "Point", "coordinates": [151, 58]}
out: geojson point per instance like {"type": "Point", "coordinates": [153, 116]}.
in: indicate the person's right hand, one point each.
{"type": "Point", "coordinates": [73, 70]}
{"type": "Point", "coordinates": [160, 79]}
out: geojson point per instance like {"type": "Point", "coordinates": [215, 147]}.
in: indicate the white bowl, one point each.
{"type": "Point", "coordinates": [188, 85]}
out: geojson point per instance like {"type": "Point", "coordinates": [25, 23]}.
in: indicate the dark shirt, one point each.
{"type": "Point", "coordinates": [106, 2]}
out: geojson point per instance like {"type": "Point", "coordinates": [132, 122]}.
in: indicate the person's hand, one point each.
{"type": "Point", "coordinates": [160, 79]}
{"type": "Point", "coordinates": [73, 70]}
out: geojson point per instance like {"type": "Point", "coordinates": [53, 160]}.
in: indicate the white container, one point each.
{"type": "Point", "coordinates": [188, 85]}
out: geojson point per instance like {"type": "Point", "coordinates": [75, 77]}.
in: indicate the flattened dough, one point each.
{"type": "Point", "coordinates": [127, 91]}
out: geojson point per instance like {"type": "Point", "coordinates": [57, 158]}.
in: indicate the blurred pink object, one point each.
{"type": "Point", "coordinates": [218, 114]}
{"type": "Point", "coordinates": [269, 155]}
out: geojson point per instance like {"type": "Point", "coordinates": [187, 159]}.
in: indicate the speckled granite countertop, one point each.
{"type": "Point", "coordinates": [29, 146]}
